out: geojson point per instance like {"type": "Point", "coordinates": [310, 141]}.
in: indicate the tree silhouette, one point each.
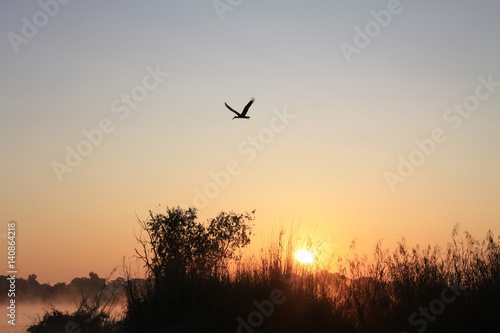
{"type": "Point", "coordinates": [187, 266]}
{"type": "Point", "coordinates": [179, 246]}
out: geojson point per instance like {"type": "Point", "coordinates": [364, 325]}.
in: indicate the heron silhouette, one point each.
{"type": "Point", "coordinates": [245, 110]}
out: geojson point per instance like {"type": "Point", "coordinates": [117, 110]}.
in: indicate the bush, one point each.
{"type": "Point", "coordinates": [189, 287]}
{"type": "Point", "coordinates": [91, 316]}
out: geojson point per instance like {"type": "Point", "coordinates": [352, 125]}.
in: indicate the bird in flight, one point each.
{"type": "Point", "coordinates": [245, 110]}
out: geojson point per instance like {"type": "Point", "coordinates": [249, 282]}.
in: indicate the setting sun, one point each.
{"type": "Point", "coordinates": [243, 166]}
{"type": "Point", "coordinates": [304, 256]}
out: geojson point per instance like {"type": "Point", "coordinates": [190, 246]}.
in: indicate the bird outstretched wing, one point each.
{"type": "Point", "coordinates": [247, 107]}
{"type": "Point", "coordinates": [232, 109]}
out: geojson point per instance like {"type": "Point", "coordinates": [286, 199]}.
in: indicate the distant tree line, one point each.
{"type": "Point", "coordinates": [197, 281]}
{"type": "Point", "coordinates": [32, 291]}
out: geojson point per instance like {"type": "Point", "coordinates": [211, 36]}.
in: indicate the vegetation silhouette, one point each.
{"type": "Point", "coordinates": [197, 282]}
{"type": "Point", "coordinates": [187, 265]}
{"type": "Point", "coordinates": [98, 297]}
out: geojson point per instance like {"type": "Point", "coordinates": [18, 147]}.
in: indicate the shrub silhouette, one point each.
{"type": "Point", "coordinates": [192, 287]}
{"type": "Point", "coordinates": [92, 315]}
{"type": "Point", "coordinates": [177, 245]}
{"type": "Point", "coordinates": [187, 264]}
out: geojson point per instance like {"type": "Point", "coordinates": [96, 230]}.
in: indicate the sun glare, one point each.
{"type": "Point", "coordinates": [304, 256]}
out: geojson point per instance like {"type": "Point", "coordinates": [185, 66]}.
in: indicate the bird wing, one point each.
{"type": "Point", "coordinates": [232, 109]}
{"type": "Point", "coordinates": [247, 107]}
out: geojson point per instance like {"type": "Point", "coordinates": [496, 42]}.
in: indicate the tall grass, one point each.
{"type": "Point", "coordinates": [379, 293]}
{"type": "Point", "coordinates": [383, 292]}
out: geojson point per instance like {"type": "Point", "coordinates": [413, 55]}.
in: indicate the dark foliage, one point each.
{"type": "Point", "coordinates": [190, 287]}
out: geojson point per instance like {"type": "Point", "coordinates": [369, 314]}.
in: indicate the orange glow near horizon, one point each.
{"type": "Point", "coordinates": [334, 153]}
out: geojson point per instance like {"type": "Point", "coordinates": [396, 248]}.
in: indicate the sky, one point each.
{"type": "Point", "coordinates": [372, 120]}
